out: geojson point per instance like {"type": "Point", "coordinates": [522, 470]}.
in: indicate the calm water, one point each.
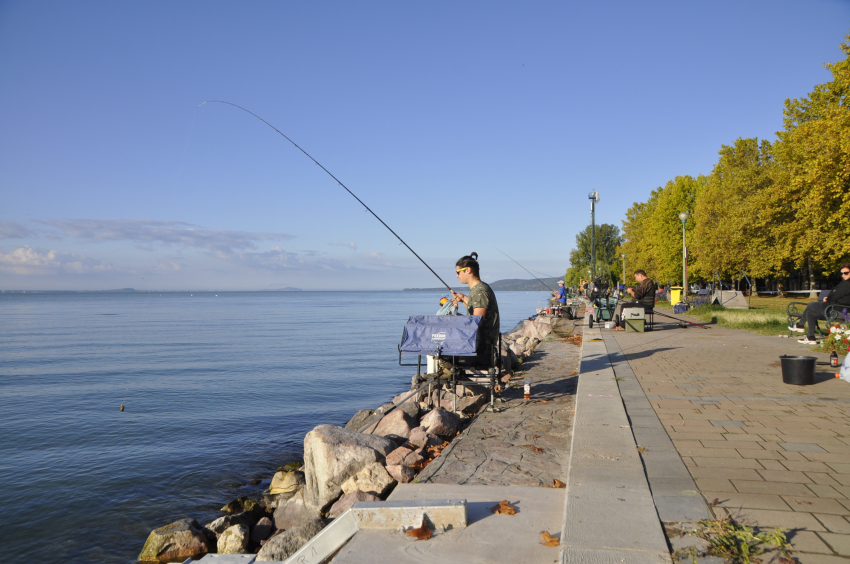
{"type": "Point", "coordinates": [219, 391]}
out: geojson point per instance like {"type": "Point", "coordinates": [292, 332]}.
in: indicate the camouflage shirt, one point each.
{"type": "Point", "coordinates": [481, 295]}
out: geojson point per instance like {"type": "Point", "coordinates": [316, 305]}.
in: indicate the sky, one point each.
{"type": "Point", "coordinates": [465, 126]}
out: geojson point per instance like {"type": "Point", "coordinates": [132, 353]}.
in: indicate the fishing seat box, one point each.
{"type": "Point", "coordinates": [634, 319]}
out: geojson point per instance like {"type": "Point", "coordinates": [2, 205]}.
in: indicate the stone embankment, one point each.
{"type": "Point", "coordinates": [342, 465]}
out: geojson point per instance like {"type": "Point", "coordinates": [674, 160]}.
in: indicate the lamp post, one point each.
{"type": "Point", "coordinates": [684, 217]}
{"type": "Point", "coordinates": [594, 197]}
{"type": "Point", "coordinates": [624, 268]}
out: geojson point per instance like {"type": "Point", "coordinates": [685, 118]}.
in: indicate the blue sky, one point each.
{"type": "Point", "coordinates": [465, 126]}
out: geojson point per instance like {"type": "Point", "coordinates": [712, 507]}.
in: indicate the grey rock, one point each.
{"type": "Point", "coordinates": [332, 455]}
{"type": "Point", "coordinates": [360, 419]}
{"type": "Point", "coordinates": [234, 540]}
{"type": "Point", "coordinates": [282, 546]}
{"type": "Point", "coordinates": [405, 456]}
{"type": "Point", "coordinates": [441, 422]}
{"type": "Point", "coordinates": [176, 542]}
{"type": "Point", "coordinates": [286, 482]}
{"type": "Point", "coordinates": [247, 518]}
{"type": "Point", "coordinates": [294, 512]}
{"type": "Point", "coordinates": [348, 500]}
{"type": "Point", "coordinates": [403, 474]}
{"type": "Point", "coordinates": [422, 438]}
{"type": "Point", "coordinates": [373, 479]}
{"type": "Point", "coordinates": [397, 422]}
{"type": "Point", "coordinates": [262, 530]}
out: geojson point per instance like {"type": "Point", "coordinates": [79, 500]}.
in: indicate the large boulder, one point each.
{"type": "Point", "coordinates": [510, 361]}
{"type": "Point", "coordinates": [262, 530]}
{"type": "Point", "coordinates": [403, 474]}
{"type": "Point", "coordinates": [397, 423]}
{"type": "Point", "coordinates": [286, 482]}
{"type": "Point", "coordinates": [176, 542]}
{"type": "Point", "coordinates": [294, 512]}
{"type": "Point", "coordinates": [282, 546]}
{"type": "Point", "coordinates": [373, 479]}
{"type": "Point", "coordinates": [441, 422]}
{"type": "Point", "coordinates": [536, 329]}
{"type": "Point", "coordinates": [332, 455]}
{"type": "Point", "coordinates": [234, 540]}
{"type": "Point", "coordinates": [348, 500]}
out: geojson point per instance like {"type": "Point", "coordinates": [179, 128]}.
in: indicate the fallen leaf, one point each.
{"type": "Point", "coordinates": [548, 539]}
{"type": "Point", "coordinates": [558, 483]}
{"type": "Point", "coordinates": [504, 508]}
{"type": "Point", "coordinates": [535, 436]}
{"type": "Point", "coordinates": [538, 450]}
{"type": "Point", "coordinates": [422, 533]}
{"type": "Point", "coordinates": [641, 449]}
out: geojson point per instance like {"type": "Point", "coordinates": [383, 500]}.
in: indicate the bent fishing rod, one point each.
{"type": "Point", "coordinates": [338, 182]}
{"type": "Point", "coordinates": [525, 269]}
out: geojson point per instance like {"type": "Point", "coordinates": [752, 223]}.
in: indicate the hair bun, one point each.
{"type": "Point", "coordinates": [474, 255]}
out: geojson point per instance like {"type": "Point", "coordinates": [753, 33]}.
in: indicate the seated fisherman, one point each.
{"type": "Point", "coordinates": [644, 296]}
{"type": "Point", "coordinates": [480, 301]}
{"type": "Point", "coordinates": [560, 295]}
{"type": "Point", "coordinates": [816, 310]}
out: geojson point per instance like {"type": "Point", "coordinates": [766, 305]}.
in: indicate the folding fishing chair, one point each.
{"type": "Point", "coordinates": [454, 339]}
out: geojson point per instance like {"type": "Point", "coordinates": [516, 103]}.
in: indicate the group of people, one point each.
{"type": "Point", "coordinates": [482, 301]}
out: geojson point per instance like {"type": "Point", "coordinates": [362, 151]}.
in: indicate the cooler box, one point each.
{"type": "Point", "coordinates": [452, 335]}
{"type": "Point", "coordinates": [675, 294]}
{"type": "Point", "coordinates": [634, 319]}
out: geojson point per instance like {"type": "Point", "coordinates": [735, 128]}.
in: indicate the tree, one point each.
{"type": "Point", "coordinates": [736, 212]}
{"type": "Point", "coordinates": [814, 150]}
{"type": "Point", "coordinates": [608, 241]}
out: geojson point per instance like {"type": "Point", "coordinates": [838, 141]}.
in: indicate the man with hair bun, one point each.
{"type": "Point", "coordinates": [480, 301]}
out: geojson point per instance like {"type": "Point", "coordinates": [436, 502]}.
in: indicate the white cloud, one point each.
{"type": "Point", "coordinates": [178, 233]}
{"type": "Point", "coordinates": [12, 230]}
{"type": "Point", "coordinates": [26, 261]}
{"type": "Point", "coordinates": [350, 245]}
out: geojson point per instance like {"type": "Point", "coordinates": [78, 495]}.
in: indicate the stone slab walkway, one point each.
{"type": "Point", "coordinates": [771, 454]}
{"type": "Point", "coordinates": [528, 442]}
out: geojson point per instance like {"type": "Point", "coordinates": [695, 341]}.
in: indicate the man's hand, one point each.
{"type": "Point", "coordinates": [457, 298]}
{"type": "Point", "coordinates": [826, 298]}
{"type": "Point", "coordinates": [630, 291]}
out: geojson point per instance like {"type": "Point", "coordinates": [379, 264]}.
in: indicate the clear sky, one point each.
{"type": "Point", "coordinates": [464, 125]}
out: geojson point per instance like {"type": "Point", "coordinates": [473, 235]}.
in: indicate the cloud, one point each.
{"type": "Point", "coordinates": [26, 261]}
{"type": "Point", "coordinates": [178, 233]}
{"type": "Point", "coordinates": [351, 245]}
{"type": "Point", "coordinates": [375, 257]}
{"type": "Point", "coordinates": [12, 230]}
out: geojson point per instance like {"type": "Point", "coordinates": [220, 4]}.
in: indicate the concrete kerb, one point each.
{"type": "Point", "coordinates": [609, 514]}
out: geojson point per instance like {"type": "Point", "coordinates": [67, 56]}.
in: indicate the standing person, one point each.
{"type": "Point", "coordinates": [480, 301]}
{"type": "Point", "coordinates": [644, 296]}
{"type": "Point", "coordinates": [815, 310]}
{"type": "Point", "coordinates": [560, 295]}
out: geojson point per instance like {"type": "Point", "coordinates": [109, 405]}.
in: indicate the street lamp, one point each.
{"type": "Point", "coordinates": [624, 268]}
{"type": "Point", "coordinates": [594, 197]}
{"type": "Point", "coordinates": [684, 217]}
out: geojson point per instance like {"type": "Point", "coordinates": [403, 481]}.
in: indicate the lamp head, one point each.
{"type": "Point", "coordinates": [684, 216]}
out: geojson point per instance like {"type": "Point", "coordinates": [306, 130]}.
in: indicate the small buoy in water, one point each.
{"type": "Point", "coordinates": [122, 407]}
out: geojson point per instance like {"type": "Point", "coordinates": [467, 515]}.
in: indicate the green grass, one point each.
{"type": "Point", "coordinates": [761, 321]}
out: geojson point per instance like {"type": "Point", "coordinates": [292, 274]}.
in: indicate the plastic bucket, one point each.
{"type": "Point", "coordinates": [798, 370]}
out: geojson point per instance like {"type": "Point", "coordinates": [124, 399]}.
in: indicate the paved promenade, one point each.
{"type": "Point", "coordinates": [768, 453]}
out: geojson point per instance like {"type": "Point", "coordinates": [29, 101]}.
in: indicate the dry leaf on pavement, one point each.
{"type": "Point", "coordinates": [532, 447]}
{"type": "Point", "coordinates": [558, 483]}
{"type": "Point", "coordinates": [504, 508]}
{"type": "Point", "coordinates": [422, 533]}
{"type": "Point", "coordinates": [548, 539]}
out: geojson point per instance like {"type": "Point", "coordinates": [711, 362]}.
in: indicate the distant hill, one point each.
{"type": "Point", "coordinates": [508, 285]}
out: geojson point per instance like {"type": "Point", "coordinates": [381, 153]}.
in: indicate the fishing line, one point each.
{"type": "Point", "coordinates": [525, 269]}
{"type": "Point", "coordinates": [338, 182]}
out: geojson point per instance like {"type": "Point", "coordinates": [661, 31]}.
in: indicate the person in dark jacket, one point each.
{"type": "Point", "coordinates": [816, 310]}
{"type": "Point", "coordinates": [644, 296]}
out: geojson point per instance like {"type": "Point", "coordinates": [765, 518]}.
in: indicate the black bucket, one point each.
{"type": "Point", "coordinates": [798, 370]}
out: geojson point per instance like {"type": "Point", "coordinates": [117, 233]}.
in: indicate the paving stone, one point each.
{"type": "Point", "coordinates": [839, 543]}
{"type": "Point", "coordinates": [748, 500]}
{"type": "Point", "coordinates": [784, 476]}
{"type": "Point", "coordinates": [807, 541]}
{"type": "Point", "coordinates": [779, 488]}
{"type": "Point", "coordinates": [835, 523]}
{"type": "Point", "coordinates": [714, 485]}
{"type": "Point", "coordinates": [706, 462]}
{"type": "Point", "coordinates": [783, 519]}
{"type": "Point", "coordinates": [832, 492]}
{"type": "Point", "coordinates": [728, 423]}
{"type": "Point", "coordinates": [815, 505]}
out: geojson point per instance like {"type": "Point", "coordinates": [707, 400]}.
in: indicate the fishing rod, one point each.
{"type": "Point", "coordinates": [338, 182]}
{"type": "Point", "coordinates": [700, 325]}
{"type": "Point", "coordinates": [525, 269]}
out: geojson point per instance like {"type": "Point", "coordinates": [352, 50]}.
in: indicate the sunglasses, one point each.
{"type": "Point", "coordinates": [458, 271]}
{"type": "Point", "coordinates": [845, 272]}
